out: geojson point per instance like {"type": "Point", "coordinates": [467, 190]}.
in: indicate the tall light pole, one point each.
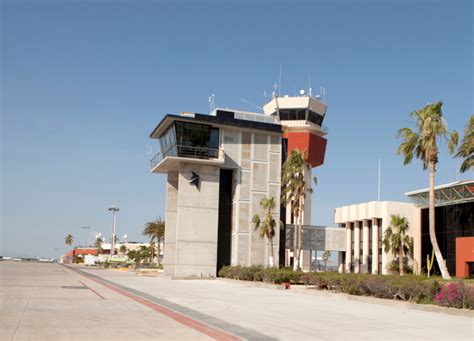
{"type": "Point", "coordinates": [85, 228]}
{"type": "Point", "coordinates": [114, 211]}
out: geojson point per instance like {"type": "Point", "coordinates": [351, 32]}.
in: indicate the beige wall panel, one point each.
{"type": "Point", "coordinates": [275, 145]}
{"type": "Point", "coordinates": [243, 250]}
{"type": "Point", "coordinates": [244, 217]}
{"type": "Point", "coordinates": [259, 177]}
{"type": "Point", "coordinates": [275, 167]}
{"type": "Point", "coordinates": [245, 186]}
{"type": "Point", "coordinates": [231, 148]}
{"type": "Point", "coordinates": [260, 147]}
{"type": "Point", "coordinates": [245, 147]}
{"type": "Point", "coordinates": [256, 198]}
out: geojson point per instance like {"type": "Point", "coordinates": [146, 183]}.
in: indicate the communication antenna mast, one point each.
{"type": "Point", "coordinates": [212, 103]}
{"type": "Point", "coordinates": [279, 82]}
{"type": "Point", "coordinates": [253, 105]}
{"type": "Point", "coordinates": [378, 187]}
{"type": "Point", "coordinates": [309, 85]}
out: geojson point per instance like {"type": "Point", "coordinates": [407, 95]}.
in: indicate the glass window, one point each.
{"type": "Point", "coordinates": [315, 118]}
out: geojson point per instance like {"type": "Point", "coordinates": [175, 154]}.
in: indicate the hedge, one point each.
{"type": "Point", "coordinates": [410, 288]}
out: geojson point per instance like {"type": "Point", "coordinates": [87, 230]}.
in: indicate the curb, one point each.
{"type": "Point", "coordinates": [309, 290]}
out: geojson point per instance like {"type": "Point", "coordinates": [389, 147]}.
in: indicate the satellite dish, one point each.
{"type": "Point", "coordinates": [301, 92]}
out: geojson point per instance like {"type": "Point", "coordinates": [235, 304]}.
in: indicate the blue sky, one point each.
{"type": "Point", "coordinates": [84, 83]}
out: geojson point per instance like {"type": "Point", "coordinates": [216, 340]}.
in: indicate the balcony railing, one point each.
{"type": "Point", "coordinates": [187, 151]}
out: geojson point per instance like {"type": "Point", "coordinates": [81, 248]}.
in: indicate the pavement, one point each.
{"type": "Point", "coordinates": [119, 305]}
{"type": "Point", "coordinates": [49, 302]}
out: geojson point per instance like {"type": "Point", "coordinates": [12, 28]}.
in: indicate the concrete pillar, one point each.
{"type": "Point", "coordinates": [348, 247]}
{"type": "Point", "coordinates": [171, 210]}
{"type": "Point", "coordinates": [357, 247]}
{"type": "Point", "coordinates": [340, 257]}
{"type": "Point", "coordinates": [375, 246]}
{"type": "Point", "coordinates": [365, 247]}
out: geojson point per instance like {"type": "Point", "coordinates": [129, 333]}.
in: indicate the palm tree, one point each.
{"type": "Point", "coordinates": [431, 128]}
{"type": "Point", "coordinates": [397, 240]}
{"type": "Point", "coordinates": [466, 148]}
{"type": "Point", "coordinates": [326, 256]}
{"type": "Point", "coordinates": [98, 244]}
{"type": "Point", "coordinates": [266, 227]}
{"type": "Point", "coordinates": [155, 230]}
{"type": "Point", "coordinates": [69, 239]}
{"type": "Point", "coordinates": [293, 192]}
{"type": "Point", "coordinates": [123, 249]}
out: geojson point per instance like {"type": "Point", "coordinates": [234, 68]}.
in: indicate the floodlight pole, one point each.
{"type": "Point", "coordinates": [114, 211]}
{"type": "Point", "coordinates": [85, 228]}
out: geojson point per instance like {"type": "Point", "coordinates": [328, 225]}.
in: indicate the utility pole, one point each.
{"type": "Point", "coordinates": [85, 228]}
{"type": "Point", "coordinates": [114, 211]}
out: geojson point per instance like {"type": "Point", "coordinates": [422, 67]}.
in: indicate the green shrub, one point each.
{"type": "Point", "coordinates": [410, 288]}
{"type": "Point", "coordinates": [394, 266]}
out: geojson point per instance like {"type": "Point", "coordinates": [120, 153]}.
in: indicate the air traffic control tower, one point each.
{"type": "Point", "coordinates": [219, 167]}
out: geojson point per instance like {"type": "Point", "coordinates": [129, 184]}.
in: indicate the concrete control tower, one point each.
{"type": "Point", "coordinates": [219, 167]}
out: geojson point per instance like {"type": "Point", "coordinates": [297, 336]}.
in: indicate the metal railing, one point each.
{"type": "Point", "coordinates": [186, 151]}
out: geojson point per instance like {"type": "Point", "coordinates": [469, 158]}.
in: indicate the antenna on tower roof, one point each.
{"type": "Point", "coordinates": [279, 82]}
{"type": "Point", "coordinates": [247, 102]}
{"type": "Point", "coordinates": [309, 85]}
{"type": "Point", "coordinates": [212, 103]}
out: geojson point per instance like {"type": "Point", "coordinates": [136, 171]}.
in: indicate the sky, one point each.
{"type": "Point", "coordinates": [83, 83]}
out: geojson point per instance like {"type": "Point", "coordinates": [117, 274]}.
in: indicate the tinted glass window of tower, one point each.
{"type": "Point", "coordinates": [187, 139]}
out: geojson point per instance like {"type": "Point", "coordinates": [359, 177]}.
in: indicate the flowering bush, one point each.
{"type": "Point", "coordinates": [456, 295]}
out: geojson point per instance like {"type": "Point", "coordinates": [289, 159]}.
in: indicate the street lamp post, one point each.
{"type": "Point", "coordinates": [85, 228]}
{"type": "Point", "coordinates": [114, 211]}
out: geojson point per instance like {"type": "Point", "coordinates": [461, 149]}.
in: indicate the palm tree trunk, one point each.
{"type": "Point", "coordinates": [271, 259]}
{"type": "Point", "coordinates": [400, 260]}
{"type": "Point", "coordinates": [298, 250]}
{"type": "Point", "coordinates": [296, 258]}
{"type": "Point", "coordinates": [434, 241]}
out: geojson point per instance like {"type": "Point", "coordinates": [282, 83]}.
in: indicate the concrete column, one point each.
{"type": "Point", "coordinates": [357, 247]}
{"type": "Point", "coordinates": [375, 247]}
{"type": "Point", "coordinates": [365, 247]}
{"type": "Point", "coordinates": [171, 210]}
{"type": "Point", "coordinates": [340, 257]}
{"type": "Point", "coordinates": [348, 247]}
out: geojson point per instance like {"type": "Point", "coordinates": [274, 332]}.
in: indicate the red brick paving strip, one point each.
{"type": "Point", "coordinates": [183, 319]}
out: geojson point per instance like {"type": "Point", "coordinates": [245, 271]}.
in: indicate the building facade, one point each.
{"type": "Point", "coordinates": [365, 225]}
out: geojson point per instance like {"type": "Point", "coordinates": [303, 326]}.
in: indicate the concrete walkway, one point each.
{"type": "Point", "coordinates": [49, 302]}
{"type": "Point", "coordinates": [262, 313]}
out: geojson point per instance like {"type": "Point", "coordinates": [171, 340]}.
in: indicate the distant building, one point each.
{"type": "Point", "coordinates": [366, 223]}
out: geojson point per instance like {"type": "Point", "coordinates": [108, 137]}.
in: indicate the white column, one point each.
{"type": "Point", "coordinates": [375, 246]}
{"type": "Point", "coordinates": [357, 246]}
{"type": "Point", "coordinates": [365, 247]}
{"type": "Point", "coordinates": [340, 268]}
{"type": "Point", "coordinates": [348, 247]}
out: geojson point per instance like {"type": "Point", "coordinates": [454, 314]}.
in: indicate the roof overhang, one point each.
{"type": "Point", "coordinates": [449, 194]}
